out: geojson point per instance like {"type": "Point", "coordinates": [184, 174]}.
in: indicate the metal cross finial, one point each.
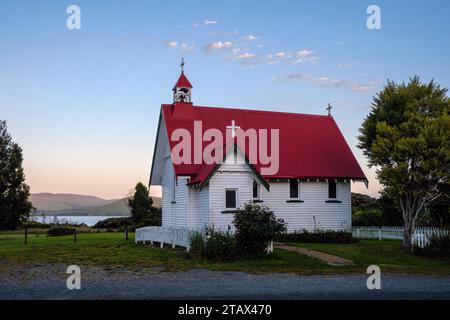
{"type": "Point", "coordinates": [182, 64]}
{"type": "Point", "coordinates": [233, 128]}
{"type": "Point", "coordinates": [329, 109]}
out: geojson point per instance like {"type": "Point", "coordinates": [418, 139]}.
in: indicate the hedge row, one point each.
{"type": "Point", "coordinates": [318, 236]}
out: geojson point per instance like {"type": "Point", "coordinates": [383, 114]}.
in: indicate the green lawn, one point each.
{"type": "Point", "coordinates": [110, 250]}
{"type": "Point", "coordinates": [386, 254]}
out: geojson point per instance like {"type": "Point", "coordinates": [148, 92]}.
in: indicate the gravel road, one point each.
{"type": "Point", "coordinates": [49, 282]}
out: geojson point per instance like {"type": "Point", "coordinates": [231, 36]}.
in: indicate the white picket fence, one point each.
{"type": "Point", "coordinates": [173, 236]}
{"type": "Point", "coordinates": [164, 235]}
{"type": "Point", "coordinates": [420, 237]}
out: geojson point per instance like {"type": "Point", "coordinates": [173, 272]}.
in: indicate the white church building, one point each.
{"type": "Point", "coordinates": [309, 186]}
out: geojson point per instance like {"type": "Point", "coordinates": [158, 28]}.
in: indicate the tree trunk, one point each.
{"type": "Point", "coordinates": [407, 236]}
{"type": "Point", "coordinates": [411, 208]}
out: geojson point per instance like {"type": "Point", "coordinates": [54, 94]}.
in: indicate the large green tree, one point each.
{"type": "Point", "coordinates": [406, 137]}
{"type": "Point", "coordinates": [14, 193]}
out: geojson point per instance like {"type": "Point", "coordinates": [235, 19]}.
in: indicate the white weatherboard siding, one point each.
{"type": "Point", "coordinates": [234, 173]}
{"type": "Point", "coordinates": [314, 212]}
{"type": "Point", "coordinates": [190, 207]}
{"type": "Point", "coordinates": [173, 214]}
{"type": "Point", "coordinates": [242, 181]}
{"type": "Point", "coordinates": [199, 208]}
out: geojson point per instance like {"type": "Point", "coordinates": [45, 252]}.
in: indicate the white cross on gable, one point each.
{"type": "Point", "coordinates": [233, 128]}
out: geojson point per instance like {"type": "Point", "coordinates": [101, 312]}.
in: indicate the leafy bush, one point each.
{"type": "Point", "coordinates": [318, 236]}
{"type": "Point", "coordinates": [256, 226]}
{"type": "Point", "coordinates": [113, 223]}
{"type": "Point", "coordinates": [36, 225]}
{"type": "Point", "coordinates": [220, 246]}
{"type": "Point", "coordinates": [60, 231]}
{"type": "Point", "coordinates": [367, 217]}
{"type": "Point", "coordinates": [438, 246]}
{"type": "Point", "coordinates": [197, 242]}
{"type": "Point", "coordinates": [120, 223]}
{"type": "Point", "coordinates": [148, 221]}
{"type": "Point", "coordinates": [213, 245]}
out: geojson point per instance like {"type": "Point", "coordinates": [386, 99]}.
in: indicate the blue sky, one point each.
{"type": "Point", "coordinates": [84, 104]}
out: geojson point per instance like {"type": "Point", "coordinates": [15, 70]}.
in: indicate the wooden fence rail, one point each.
{"type": "Point", "coordinates": [165, 235]}
{"type": "Point", "coordinates": [421, 236]}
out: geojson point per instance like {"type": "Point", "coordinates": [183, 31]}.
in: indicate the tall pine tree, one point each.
{"type": "Point", "coordinates": [14, 193]}
{"type": "Point", "coordinates": [141, 206]}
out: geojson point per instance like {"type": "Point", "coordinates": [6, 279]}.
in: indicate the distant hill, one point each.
{"type": "Point", "coordinates": [65, 201]}
{"type": "Point", "coordinates": [80, 205]}
{"type": "Point", "coordinates": [116, 208]}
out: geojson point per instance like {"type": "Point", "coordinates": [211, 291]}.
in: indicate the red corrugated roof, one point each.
{"type": "Point", "coordinates": [310, 146]}
{"type": "Point", "coordinates": [183, 82]}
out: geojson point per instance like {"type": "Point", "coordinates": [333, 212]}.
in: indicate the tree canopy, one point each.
{"type": "Point", "coordinates": [14, 193]}
{"type": "Point", "coordinates": [141, 206]}
{"type": "Point", "coordinates": [407, 137]}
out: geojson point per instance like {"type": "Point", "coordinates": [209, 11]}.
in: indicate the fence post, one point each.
{"type": "Point", "coordinates": [358, 232]}
{"type": "Point", "coordinates": [75, 235]}
{"type": "Point", "coordinates": [26, 235]}
{"type": "Point", "coordinates": [379, 233]}
{"type": "Point", "coordinates": [126, 233]}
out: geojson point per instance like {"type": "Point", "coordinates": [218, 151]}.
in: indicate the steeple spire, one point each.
{"type": "Point", "coordinates": [182, 89]}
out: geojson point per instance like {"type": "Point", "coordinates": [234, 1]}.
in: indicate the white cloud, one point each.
{"type": "Point", "coordinates": [250, 38]}
{"type": "Point", "coordinates": [218, 46]}
{"type": "Point", "coordinates": [235, 50]}
{"type": "Point", "coordinates": [304, 53]}
{"type": "Point", "coordinates": [344, 65]}
{"type": "Point", "coordinates": [195, 25]}
{"type": "Point", "coordinates": [245, 56]}
{"type": "Point", "coordinates": [327, 82]}
{"type": "Point", "coordinates": [187, 47]}
{"type": "Point", "coordinates": [223, 33]}
{"type": "Point", "coordinates": [293, 57]}
{"type": "Point", "coordinates": [171, 44]}
{"type": "Point", "coordinates": [210, 22]}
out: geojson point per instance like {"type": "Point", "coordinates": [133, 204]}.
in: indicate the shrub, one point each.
{"type": "Point", "coordinates": [219, 246]}
{"type": "Point", "coordinates": [255, 226]}
{"type": "Point", "coordinates": [197, 242]}
{"type": "Point", "coordinates": [438, 246]}
{"type": "Point", "coordinates": [213, 245]}
{"type": "Point", "coordinates": [60, 231]}
{"type": "Point", "coordinates": [318, 236]}
{"type": "Point", "coordinates": [120, 223]}
{"type": "Point", "coordinates": [367, 217]}
{"type": "Point", "coordinates": [113, 223]}
{"type": "Point", "coordinates": [36, 225]}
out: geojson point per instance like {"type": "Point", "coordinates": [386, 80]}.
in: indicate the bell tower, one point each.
{"type": "Point", "coordinates": [182, 89]}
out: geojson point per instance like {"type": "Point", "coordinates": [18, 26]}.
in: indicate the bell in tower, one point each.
{"type": "Point", "coordinates": [182, 89]}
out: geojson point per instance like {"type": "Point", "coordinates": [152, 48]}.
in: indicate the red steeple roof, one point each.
{"type": "Point", "coordinates": [183, 82]}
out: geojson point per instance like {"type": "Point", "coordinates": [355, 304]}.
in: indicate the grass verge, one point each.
{"type": "Point", "coordinates": [110, 250]}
